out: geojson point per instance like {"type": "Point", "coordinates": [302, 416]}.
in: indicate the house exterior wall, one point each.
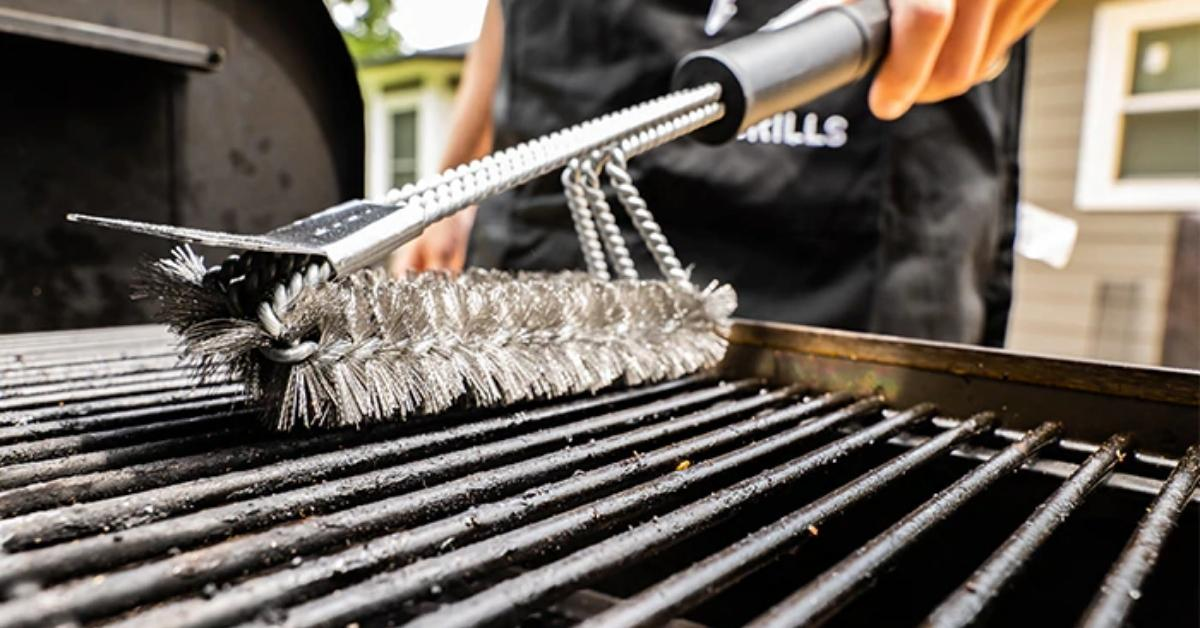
{"type": "Point", "coordinates": [1056, 311]}
{"type": "Point", "coordinates": [423, 85]}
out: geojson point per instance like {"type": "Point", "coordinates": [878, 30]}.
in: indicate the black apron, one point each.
{"type": "Point", "coordinates": [823, 216]}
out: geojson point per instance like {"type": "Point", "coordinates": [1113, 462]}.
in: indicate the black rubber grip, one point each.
{"type": "Point", "coordinates": [769, 72]}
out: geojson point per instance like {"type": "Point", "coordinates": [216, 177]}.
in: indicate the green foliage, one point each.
{"type": "Point", "coordinates": [364, 25]}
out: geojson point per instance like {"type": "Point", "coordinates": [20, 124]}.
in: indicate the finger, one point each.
{"type": "Point", "coordinates": [955, 70]}
{"type": "Point", "coordinates": [458, 259]}
{"type": "Point", "coordinates": [398, 262]}
{"type": "Point", "coordinates": [427, 251]}
{"type": "Point", "coordinates": [1012, 21]}
{"type": "Point", "coordinates": [919, 28]}
{"type": "Point", "coordinates": [995, 68]}
{"type": "Point", "coordinates": [449, 254]}
{"type": "Point", "coordinates": [458, 234]}
{"type": "Point", "coordinates": [415, 256]}
{"type": "Point", "coordinates": [439, 258]}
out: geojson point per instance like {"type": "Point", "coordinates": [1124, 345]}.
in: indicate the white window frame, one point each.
{"type": "Point", "coordinates": [1110, 71]}
{"type": "Point", "coordinates": [403, 105]}
{"type": "Point", "coordinates": [433, 104]}
{"type": "Point", "coordinates": [380, 130]}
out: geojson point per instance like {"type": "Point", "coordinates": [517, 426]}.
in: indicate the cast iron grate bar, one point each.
{"type": "Point", "coordinates": [40, 528]}
{"type": "Point", "coordinates": [244, 600]}
{"type": "Point", "coordinates": [56, 410]}
{"type": "Point", "coordinates": [1122, 586]}
{"type": "Point", "coordinates": [133, 495]}
{"type": "Point", "coordinates": [78, 356]}
{"type": "Point", "coordinates": [716, 573]}
{"type": "Point", "coordinates": [111, 420]}
{"type": "Point", "coordinates": [969, 601]}
{"type": "Point", "coordinates": [116, 459]}
{"type": "Point", "coordinates": [393, 588]}
{"type": "Point", "coordinates": [814, 603]}
{"type": "Point", "coordinates": [117, 590]}
{"type": "Point", "coordinates": [62, 446]}
{"type": "Point", "coordinates": [22, 375]}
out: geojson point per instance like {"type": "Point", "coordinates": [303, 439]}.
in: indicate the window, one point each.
{"type": "Point", "coordinates": [1140, 146]}
{"type": "Point", "coordinates": [404, 147]}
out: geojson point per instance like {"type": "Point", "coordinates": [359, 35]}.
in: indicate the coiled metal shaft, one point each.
{"type": "Point", "coordinates": [591, 212]}
{"type": "Point", "coordinates": [664, 255]}
{"type": "Point", "coordinates": [610, 233]}
{"type": "Point", "coordinates": [585, 223]}
{"type": "Point", "coordinates": [466, 185]}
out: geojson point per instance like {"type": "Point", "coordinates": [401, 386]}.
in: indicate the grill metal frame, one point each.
{"type": "Point", "coordinates": [1093, 399]}
{"type": "Point", "coordinates": [130, 494]}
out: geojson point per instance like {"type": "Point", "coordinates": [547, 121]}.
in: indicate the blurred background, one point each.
{"type": "Point", "coordinates": [164, 129]}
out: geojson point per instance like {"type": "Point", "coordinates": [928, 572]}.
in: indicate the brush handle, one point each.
{"type": "Point", "coordinates": [772, 71]}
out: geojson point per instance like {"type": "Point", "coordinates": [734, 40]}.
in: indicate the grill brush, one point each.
{"type": "Point", "coordinates": [324, 339]}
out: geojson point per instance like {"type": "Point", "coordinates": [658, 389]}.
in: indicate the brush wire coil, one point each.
{"type": "Point", "coordinates": [390, 348]}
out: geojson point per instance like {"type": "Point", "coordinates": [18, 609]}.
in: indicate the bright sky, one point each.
{"type": "Point", "coordinates": [425, 24]}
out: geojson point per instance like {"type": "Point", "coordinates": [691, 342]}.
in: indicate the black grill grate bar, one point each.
{"type": "Point", "coordinates": [72, 483]}
{"type": "Point", "coordinates": [187, 392]}
{"type": "Point", "coordinates": [814, 603]}
{"type": "Point", "coordinates": [78, 435]}
{"type": "Point", "coordinates": [68, 367]}
{"type": "Point", "coordinates": [1122, 586]}
{"type": "Point", "coordinates": [88, 598]}
{"type": "Point", "coordinates": [712, 575]}
{"type": "Point", "coordinates": [88, 487]}
{"type": "Point", "coordinates": [46, 527]}
{"type": "Point", "coordinates": [114, 460]}
{"type": "Point", "coordinates": [23, 346]}
{"type": "Point", "coordinates": [186, 381]}
{"type": "Point", "coordinates": [1070, 444]}
{"type": "Point", "coordinates": [35, 339]}
{"type": "Point", "coordinates": [61, 447]}
{"type": "Point", "coordinates": [391, 589]}
{"type": "Point", "coordinates": [22, 376]}
{"type": "Point", "coordinates": [70, 466]}
{"type": "Point", "coordinates": [111, 420]}
{"type": "Point", "coordinates": [315, 576]}
{"type": "Point", "coordinates": [109, 550]}
{"type": "Point", "coordinates": [43, 390]}
{"type": "Point", "coordinates": [1126, 481]}
{"type": "Point", "coordinates": [965, 605]}
{"type": "Point", "coordinates": [1155, 460]}
{"type": "Point", "coordinates": [81, 355]}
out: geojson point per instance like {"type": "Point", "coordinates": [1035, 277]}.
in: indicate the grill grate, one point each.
{"type": "Point", "coordinates": [132, 495]}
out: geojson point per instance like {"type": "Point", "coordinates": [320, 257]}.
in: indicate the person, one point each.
{"type": "Point", "coordinates": [886, 206]}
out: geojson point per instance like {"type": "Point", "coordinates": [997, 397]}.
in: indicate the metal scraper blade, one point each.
{"type": "Point", "coordinates": [350, 236]}
{"type": "Point", "coordinates": [264, 243]}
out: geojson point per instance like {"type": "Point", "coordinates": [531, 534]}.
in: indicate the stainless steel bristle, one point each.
{"type": "Point", "coordinates": [390, 348]}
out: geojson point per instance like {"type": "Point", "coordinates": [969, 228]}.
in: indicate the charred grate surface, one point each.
{"type": "Point", "coordinates": [133, 495]}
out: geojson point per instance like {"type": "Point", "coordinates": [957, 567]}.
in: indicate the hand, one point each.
{"type": "Point", "coordinates": [942, 48]}
{"type": "Point", "coordinates": [443, 246]}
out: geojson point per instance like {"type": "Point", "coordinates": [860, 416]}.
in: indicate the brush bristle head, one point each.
{"type": "Point", "coordinates": [389, 348]}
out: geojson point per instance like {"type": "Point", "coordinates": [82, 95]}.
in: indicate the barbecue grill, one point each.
{"type": "Point", "coordinates": [818, 477]}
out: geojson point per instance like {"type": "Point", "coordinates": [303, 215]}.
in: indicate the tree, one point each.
{"type": "Point", "coordinates": [364, 25]}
